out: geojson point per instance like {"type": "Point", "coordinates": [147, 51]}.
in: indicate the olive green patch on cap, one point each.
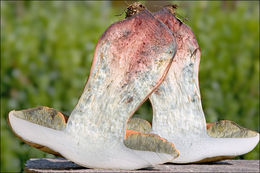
{"type": "Point", "coordinates": [229, 129]}
{"type": "Point", "coordinates": [44, 116]}
{"type": "Point", "coordinates": [138, 124]}
{"type": "Point", "coordinates": [150, 142]}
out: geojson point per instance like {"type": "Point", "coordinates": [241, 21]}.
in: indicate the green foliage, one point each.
{"type": "Point", "coordinates": [47, 49]}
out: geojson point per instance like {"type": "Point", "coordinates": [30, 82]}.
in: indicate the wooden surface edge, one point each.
{"type": "Point", "coordinates": [37, 165]}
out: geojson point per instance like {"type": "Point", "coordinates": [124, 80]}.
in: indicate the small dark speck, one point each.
{"type": "Point", "coordinates": [157, 92]}
{"type": "Point", "coordinates": [124, 85]}
{"type": "Point", "coordinates": [53, 113]}
{"type": "Point", "coordinates": [129, 100]}
{"type": "Point", "coordinates": [126, 33]}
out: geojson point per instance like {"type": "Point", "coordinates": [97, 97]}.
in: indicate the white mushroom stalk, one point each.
{"type": "Point", "coordinates": [131, 59]}
{"type": "Point", "coordinates": [177, 111]}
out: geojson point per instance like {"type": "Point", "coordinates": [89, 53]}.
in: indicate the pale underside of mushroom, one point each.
{"type": "Point", "coordinates": [131, 59]}
{"type": "Point", "coordinates": [177, 111]}
{"type": "Point", "coordinates": [220, 129]}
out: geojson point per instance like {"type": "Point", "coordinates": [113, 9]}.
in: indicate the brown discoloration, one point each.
{"type": "Point", "coordinates": [214, 159]}
{"type": "Point", "coordinates": [209, 125]}
{"type": "Point", "coordinates": [42, 148]}
{"type": "Point", "coordinates": [130, 132]}
{"type": "Point", "coordinates": [66, 117]}
{"type": "Point", "coordinates": [130, 99]}
{"type": "Point", "coordinates": [134, 9]}
{"type": "Point", "coordinates": [157, 92]}
{"type": "Point", "coordinates": [172, 8]}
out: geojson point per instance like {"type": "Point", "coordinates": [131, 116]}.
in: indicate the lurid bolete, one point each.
{"type": "Point", "coordinates": [177, 111]}
{"type": "Point", "coordinates": [131, 59]}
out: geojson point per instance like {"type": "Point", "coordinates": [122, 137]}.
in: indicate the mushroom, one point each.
{"type": "Point", "coordinates": [177, 111]}
{"type": "Point", "coordinates": [131, 59]}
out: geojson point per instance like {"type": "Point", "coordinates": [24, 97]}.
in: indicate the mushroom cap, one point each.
{"type": "Point", "coordinates": [43, 116]}
{"type": "Point", "coordinates": [229, 129]}
{"type": "Point", "coordinates": [138, 124]}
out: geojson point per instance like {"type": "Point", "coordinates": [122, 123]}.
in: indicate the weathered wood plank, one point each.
{"type": "Point", "coordinates": [62, 165]}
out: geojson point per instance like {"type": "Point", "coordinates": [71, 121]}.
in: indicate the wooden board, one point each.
{"type": "Point", "coordinates": [62, 165]}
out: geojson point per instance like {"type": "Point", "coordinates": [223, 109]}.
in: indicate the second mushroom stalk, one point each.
{"type": "Point", "coordinates": [177, 110]}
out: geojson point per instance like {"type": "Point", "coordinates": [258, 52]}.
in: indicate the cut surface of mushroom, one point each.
{"type": "Point", "coordinates": [131, 59]}
{"type": "Point", "coordinates": [177, 111]}
{"type": "Point", "coordinates": [43, 116]}
{"type": "Point", "coordinates": [220, 129]}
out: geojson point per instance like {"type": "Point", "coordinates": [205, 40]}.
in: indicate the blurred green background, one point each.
{"type": "Point", "coordinates": [47, 49]}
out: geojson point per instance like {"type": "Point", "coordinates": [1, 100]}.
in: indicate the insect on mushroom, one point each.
{"type": "Point", "coordinates": [124, 72]}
